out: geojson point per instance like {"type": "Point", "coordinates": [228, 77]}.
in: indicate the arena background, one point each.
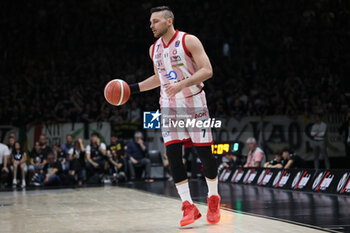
{"type": "Point", "coordinates": [275, 64]}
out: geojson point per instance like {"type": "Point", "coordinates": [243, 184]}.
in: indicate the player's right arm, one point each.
{"type": "Point", "coordinates": [151, 82]}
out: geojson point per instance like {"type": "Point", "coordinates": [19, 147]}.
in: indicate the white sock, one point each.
{"type": "Point", "coordinates": [14, 181]}
{"type": "Point", "coordinates": [212, 187]}
{"type": "Point", "coordinates": [184, 192]}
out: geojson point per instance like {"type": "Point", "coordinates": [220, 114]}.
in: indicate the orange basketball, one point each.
{"type": "Point", "coordinates": [117, 92]}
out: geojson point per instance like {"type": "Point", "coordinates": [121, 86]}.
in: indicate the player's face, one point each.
{"type": "Point", "coordinates": [159, 24]}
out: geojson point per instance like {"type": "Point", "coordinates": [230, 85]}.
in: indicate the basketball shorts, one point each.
{"type": "Point", "coordinates": [185, 119]}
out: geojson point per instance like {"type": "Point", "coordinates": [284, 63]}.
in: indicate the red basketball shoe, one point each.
{"type": "Point", "coordinates": [213, 215]}
{"type": "Point", "coordinates": [191, 213]}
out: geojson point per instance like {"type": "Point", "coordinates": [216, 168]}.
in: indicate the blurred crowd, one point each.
{"type": "Point", "coordinates": [76, 162]}
{"type": "Point", "coordinates": [73, 162]}
{"type": "Point", "coordinates": [272, 57]}
{"type": "Point", "coordinates": [285, 158]}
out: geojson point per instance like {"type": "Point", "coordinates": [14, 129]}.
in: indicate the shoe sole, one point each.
{"type": "Point", "coordinates": [191, 221]}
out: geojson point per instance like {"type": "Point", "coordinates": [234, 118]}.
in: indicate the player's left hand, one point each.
{"type": "Point", "coordinates": [172, 89]}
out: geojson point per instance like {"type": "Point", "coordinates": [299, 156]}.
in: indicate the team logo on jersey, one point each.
{"type": "Point", "coordinates": [177, 43]}
{"type": "Point", "coordinates": [158, 55]}
{"type": "Point", "coordinates": [171, 75]}
{"type": "Point", "coordinates": [151, 120]}
{"type": "Point", "coordinates": [175, 58]}
{"type": "Point", "coordinates": [161, 70]}
{"type": "Point", "coordinates": [174, 52]}
{"type": "Point", "coordinates": [159, 63]}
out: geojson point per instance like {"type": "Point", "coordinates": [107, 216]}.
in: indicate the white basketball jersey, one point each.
{"type": "Point", "coordinates": [174, 64]}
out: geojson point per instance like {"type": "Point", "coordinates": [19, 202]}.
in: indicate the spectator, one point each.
{"type": "Point", "coordinates": [136, 152]}
{"type": "Point", "coordinates": [116, 145]}
{"type": "Point", "coordinates": [11, 142]}
{"type": "Point", "coordinates": [319, 146]}
{"type": "Point", "coordinates": [230, 160]}
{"type": "Point", "coordinates": [96, 155]}
{"type": "Point", "coordinates": [50, 174]}
{"type": "Point", "coordinates": [62, 157]}
{"type": "Point", "coordinates": [117, 165]}
{"type": "Point", "coordinates": [256, 156]}
{"type": "Point", "coordinates": [119, 146]}
{"type": "Point", "coordinates": [77, 161]}
{"type": "Point", "coordinates": [276, 162]}
{"type": "Point", "coordinates": [292, 160]}
{"type": "Point", "coordinates": [37, 162]}
{"type": "Point", "coordinates": [37, 158]}
{"type": "Point", "coordinates": [13, 135]}
{"type": "Point", "coordinates": [18, 157]}
{"type": "Point", "coordinates": [69, 144]}
{"type": "Point", "coordinates": [45, 149]}
{"type": "Point", "coordinates": [4, 157]}
{"type": "Point", "coordinates": [345, 129]}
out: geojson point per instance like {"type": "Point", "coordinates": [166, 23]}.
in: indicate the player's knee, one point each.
{"type": "Point", "coordinates": [208, 161]}
{"type": "Point", "coordinates": [179, 173]}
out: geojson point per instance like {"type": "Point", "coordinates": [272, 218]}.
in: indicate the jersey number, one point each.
{"type": "Point", "coordinates": [203, 133]}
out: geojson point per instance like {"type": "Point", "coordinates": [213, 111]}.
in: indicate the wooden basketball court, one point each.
{"type": "Point", "coordinates": [118, 209]}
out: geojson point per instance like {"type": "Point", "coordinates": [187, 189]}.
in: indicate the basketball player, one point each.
{"type": "Point", "coordinates": [180, 66]}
